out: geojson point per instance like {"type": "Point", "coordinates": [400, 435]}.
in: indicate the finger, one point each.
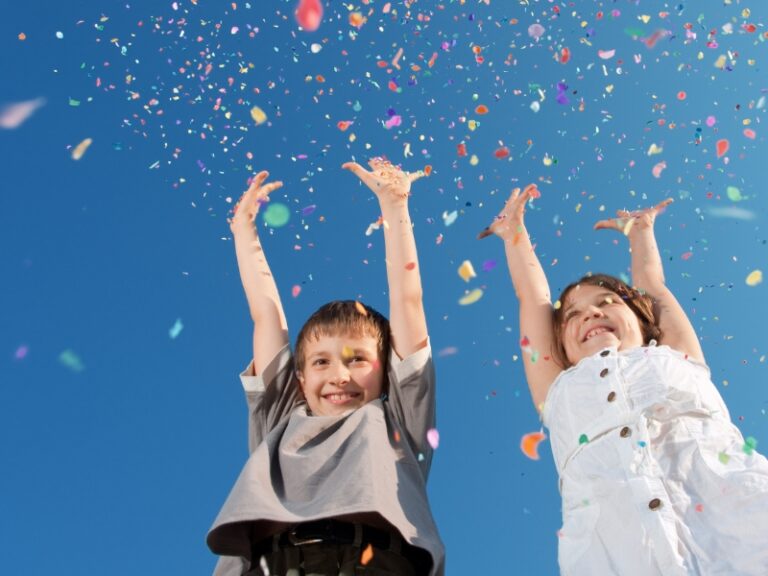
{"type": "Point", "coordinates": [267, 189]}
{"type": "Point", "coordinates": [413, 176]}
{"type": "Point", "coordinates": [513, 196]}
{"type": "Point", "coordinates": [258, 179]}
{"type": "Point", "coordinates": [484, 233]}
{"type": "Point", "coordinates": [622, 213]}
{"type": "Point", "coordinates": [613, 224]}
{"type": "Point", "coordinates": [663, 204]}
{"type": "Point", "coordinates": [360, 172]}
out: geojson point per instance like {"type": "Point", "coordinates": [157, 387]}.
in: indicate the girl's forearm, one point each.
{"type": "Point", "coordinates": [647, 268]}
{"type": "Point", "coordinates": [527, 275]}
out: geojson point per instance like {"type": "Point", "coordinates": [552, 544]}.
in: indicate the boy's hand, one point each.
{"type": "Point", "coordinates": [510, 220]}
{"type": "Point", "coordinates": [245, 210]}
{"type": "Point", "coordinates": [389, 183]}
{"type": "Point", "coordinates": [625, 221]}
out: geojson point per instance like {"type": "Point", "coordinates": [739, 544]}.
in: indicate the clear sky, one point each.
{"type": "Point", "coordinates": [124, 326]}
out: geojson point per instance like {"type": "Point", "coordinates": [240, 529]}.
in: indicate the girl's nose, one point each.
{"type": "Point", "coordinates": [592, 312]}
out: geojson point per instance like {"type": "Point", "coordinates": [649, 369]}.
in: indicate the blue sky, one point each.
{"type": "Point", "coordinates": [122, 422]}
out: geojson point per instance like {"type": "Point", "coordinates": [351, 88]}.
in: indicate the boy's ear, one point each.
{"type": "Point", "coordinates": [300, 378]}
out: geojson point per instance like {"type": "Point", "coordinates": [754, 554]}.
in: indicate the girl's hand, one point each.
{"type": "Point", "coordinates": [389, 183]}
{"type": "Point", "coordinates": [510, 220]}
{"type": "Point", "coordinates": [625, 221]}
{"type": "Point", "coordinates": [245, 210]}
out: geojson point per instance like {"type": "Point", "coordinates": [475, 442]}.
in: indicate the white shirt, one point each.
{"type": "Point", "coordinates": [654, 477]}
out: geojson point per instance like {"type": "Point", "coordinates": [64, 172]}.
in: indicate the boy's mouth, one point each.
{"type": "Point", "coordinates": [341, 397]}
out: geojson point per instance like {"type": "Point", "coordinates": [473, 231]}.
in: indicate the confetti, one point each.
{"type": "Point", "coordinates": [176, 329]}
{"type": "Point", "coordinates": [722, 147]}
{"type": "Point", "coordinates": [80, 149]}
{"type": "Point", "coordinates": [21, 352]}
{"type": "Point", "coordinates": [276, 215]}
{"type": "Point", "coordinates": [258, 115]}
{"type": "Point", "coordinates": [466, 271]}
{"type": "Point", "coordinates": [754, 278]}
{"type": "Point", "coordinates": [433, 437]}
{"type": "Point", "coordinates": [367, 555]}
{"type": "Point", "coordinates": [583, 439]}
{"type": "Point", "coordinates": [750, 443]}
{"type": "Point", "coordinates": [295, 290]}
{"type": "Point", "coordinates": [309, 14]}
{"type": "Point", "coordinates": [71, 360]}
{"type": "Point", "coordinates": [529, 444]}
{"type": "Point", "coordinates": [471, 297]}
{"type": "Point", "coordinates": [658, 169]}
{"type": "Point", "coordinates": [450, 217]}
{"type": "Point", "coordinates": [536, 31]}
{"type": "Point", "coordinates": [14, 115]}
{"type": "Point", "coordinates": [734, 194]}
{"type": "Point", "coordinates": [360, 308]}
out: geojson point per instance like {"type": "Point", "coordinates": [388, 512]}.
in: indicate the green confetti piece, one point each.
{"type": "Point", "coordinates": [73, 102]}
{"type": "Point", "coordinates": [750, 443]}
{"type": "Point", "coordinates": [71, 360]}
{"type": "Point", "coordinates": [723, 457]}
{"type": "Point", "coordinates": [176, 329]}
{"type": "Point", "coordinates": [276, 215]}
{"type": "Point", "coordinates": [734, 194]}
{"type": "Point", "coordinates": [583, 439]}
{"type": "Point", "coordinates": [534, 356]}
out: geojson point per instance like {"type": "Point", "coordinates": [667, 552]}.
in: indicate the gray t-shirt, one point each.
{"type": "Point", "coordinates": [370, 461]}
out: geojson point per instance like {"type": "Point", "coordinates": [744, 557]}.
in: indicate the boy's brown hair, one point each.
{"type": "Point", "coordinates": [347, 317]}
{"type": "Point", "coordinates": [641, 304]}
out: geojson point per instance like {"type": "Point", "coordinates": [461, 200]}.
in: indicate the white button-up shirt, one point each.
{"type": "Point", "coordinates": [654, 477]}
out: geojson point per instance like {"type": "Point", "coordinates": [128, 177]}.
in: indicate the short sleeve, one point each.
{"type": "Point", "coordinates": [271, 395]}
{"type": "Point", "coordinates": [411, 399]}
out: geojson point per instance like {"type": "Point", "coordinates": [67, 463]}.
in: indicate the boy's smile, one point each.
{"type": "Point", "coordinates": [340, 374]}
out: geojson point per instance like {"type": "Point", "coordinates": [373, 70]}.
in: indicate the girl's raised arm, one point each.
{"type": "Point", "coordinates": [532, 290]}
{"type": "Point", "coordinates": [648, 276]}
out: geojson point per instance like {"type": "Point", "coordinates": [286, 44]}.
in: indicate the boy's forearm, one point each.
{"type": "Point", "coordinates": [256, 277]}
{"type": "Point", "coordinates": [402, 260]}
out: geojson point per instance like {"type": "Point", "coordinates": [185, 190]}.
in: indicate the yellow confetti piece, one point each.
{"type": "Point", "coordinates": [258, 115]}
{"type": "Point", "coordinates": [80, 149]}
{"type": "Point", "coordinates": [466, 271]}
{"type": "Point", "coordinates": [471, 298]}
{"type": "Point", "coordinates": [754, 278]}
{"type": "Point", "coordinates": [347, 352]}
{"type": "Point", "coordinates": [360, 308]}
{"type": "Point", "coordinates": [367, 555]}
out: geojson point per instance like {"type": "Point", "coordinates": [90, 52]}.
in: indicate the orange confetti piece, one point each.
{"type": "Point", "coordinates": [428, 169]}
{"type": "Point", "coordinates": [356, 19]}
{"type": "Point", "coordinates": [344, 124]}
{"type": "Point", "coordinates": [410, 266]}
{"type": "Point", "coordinates": [22, 36]}
{"type": "Point", "coordinates": [749, 133]}
{"type": "Point", "coordinates": [529, 444]}
{"type": "Point", "coordinates": [367, 555]}
{"type": "Point", "coordinates": [481, 109]}
{"type": "Point", "coordinates": [502, 152]}
{"type": "Point", "coordinates": [360, 308]}
{"type": "Point", "coordinates": [722, 147]}
{"type": "Point", "coordinates": [565, 56]}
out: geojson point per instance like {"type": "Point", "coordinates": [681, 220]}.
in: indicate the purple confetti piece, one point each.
{"type": "Point", "coordinates": [306, 211]}
{"type": "Point", "coordinates": [433, 437]}
{"type": "Point", "coordinates": [489, 265]}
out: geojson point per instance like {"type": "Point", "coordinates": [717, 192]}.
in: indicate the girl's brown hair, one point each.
{"type": "Point", "coordinates": [347, 317]}
{"type": "Point", "coordinates": [641, 304]}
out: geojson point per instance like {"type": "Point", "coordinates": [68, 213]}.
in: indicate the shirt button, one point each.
{"type": "Point", "coordinates": [605, 353]}
{"type": "Point", "coordinates": [603, 372]}
{"type": "Point", "coordinates": [611, 396]}
{"type": "Point", "coordinates": [654, 504]}
{"type": "Point", "coordinates": [625, 432]}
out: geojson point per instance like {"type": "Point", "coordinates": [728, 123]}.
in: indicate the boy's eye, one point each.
{"type": "Point", "coordinates": [319, 362]}
{"type": "Point", "coordinates": [359, 359]}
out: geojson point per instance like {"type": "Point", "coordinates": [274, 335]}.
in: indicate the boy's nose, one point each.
{"type": "Point", "coordinates": [340, 376]}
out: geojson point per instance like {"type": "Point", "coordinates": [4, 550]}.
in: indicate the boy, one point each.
{"type": "Point", "coordinates": [336, 481]}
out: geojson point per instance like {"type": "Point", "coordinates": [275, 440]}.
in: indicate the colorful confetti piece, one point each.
{"type": "Point", "coordinates": [466, 271]}
{"type": "Point", "coordinates": [471, 297]}
{"type": "Point", "coordinates": [529, 444]}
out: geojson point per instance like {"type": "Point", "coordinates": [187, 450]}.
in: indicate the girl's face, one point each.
{"type": "Point", "coordinates": [341, 373]}
{"type": "Point", "coordinates": [595, 318]}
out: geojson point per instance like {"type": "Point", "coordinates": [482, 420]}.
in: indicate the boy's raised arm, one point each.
{"type": "Point", "coordinates": [532, 290]}
{"type": "Point", "coordinates": [270, 330]}
{"type": "Point", "coordinates": [406, 308]}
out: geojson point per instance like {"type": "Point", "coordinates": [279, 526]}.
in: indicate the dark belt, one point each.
{"type": "Point", "coordinates": [342, 533]}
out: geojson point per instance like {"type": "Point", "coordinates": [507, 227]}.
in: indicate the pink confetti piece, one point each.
{"type": "Point", "coordinates": [296, 290]}
{"type": "Point", "coordinates": [14, 115]}
{"type": "Point", "coordinates": [658, 169]}
{"type": "Point", "coordinates": [606, 54]}
{"type": "Point", "coordinates": [21, 352]}
{"type": "Point", "coordinates": [749, 133]}
{"type": "Point", "coordinates": [433, 437]}
{"type": "Point", "coordinates": [309, 14]}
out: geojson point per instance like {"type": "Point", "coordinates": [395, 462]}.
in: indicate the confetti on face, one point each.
{"type": "Point", "coordinates": [466, 271]}
{"type": "Point", "coordinates": [754, 278]}
{"type": "Point", "coordinates": [433, 437]}
{"type": "Point", "coordinates": [309, 14]}
{"type": "Point", "coordinates": [529, 444]}
{"type": "Point", "coordinates": [80, 149]}
{"type": "Point", "coordinates": [722, 147]}
{"type": "Point", "coordinates": [176, 329]}
{"type": "Point", "coordinates": [276, 215]}
{"type": "Point", "coordinates": [471, 297]}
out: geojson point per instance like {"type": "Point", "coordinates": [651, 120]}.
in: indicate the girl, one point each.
{"type": "Point", "coordinates": [654, 477]}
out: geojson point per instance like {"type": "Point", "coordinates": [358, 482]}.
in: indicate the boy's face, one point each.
{"type": "Point", "coordinates": [595, 318]}
{"type": "Point", "coordinates": [341, 373]}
